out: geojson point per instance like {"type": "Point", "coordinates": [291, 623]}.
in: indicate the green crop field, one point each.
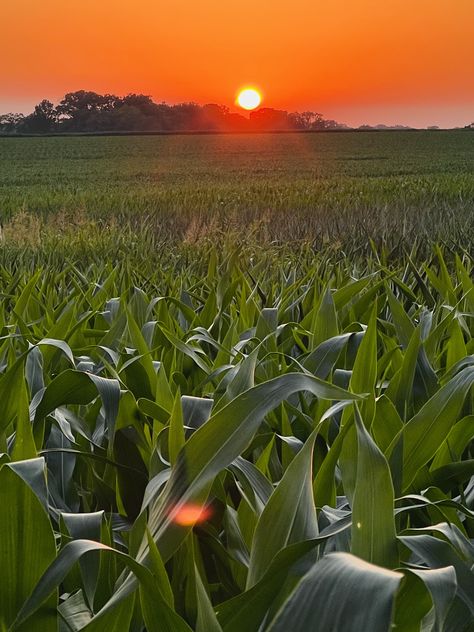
{"type": "Point", "coordinates": [283, 187]}
{"type": "Point", "coordinates": [236, 376]}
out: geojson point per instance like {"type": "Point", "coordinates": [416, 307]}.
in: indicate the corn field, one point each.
{"type": "Point", "coordinates": [237, 444]}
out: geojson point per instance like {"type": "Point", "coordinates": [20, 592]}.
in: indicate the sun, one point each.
{"type": "Point", "coordinates": [249, 99]}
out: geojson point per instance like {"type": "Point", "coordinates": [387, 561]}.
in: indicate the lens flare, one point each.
{"type": "Point", "coordinates": [249, 99]}
{"type": "Point", "coordinates": [189, 514]}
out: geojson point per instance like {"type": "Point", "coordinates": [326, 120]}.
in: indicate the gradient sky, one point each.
{"type": "Point", "coordinates": [374, 61]}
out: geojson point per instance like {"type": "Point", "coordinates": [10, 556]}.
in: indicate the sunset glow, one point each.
{"type": "Point", "coordinates": [249, 99]}
{"type": "Point", "coordinates": [356, 61]}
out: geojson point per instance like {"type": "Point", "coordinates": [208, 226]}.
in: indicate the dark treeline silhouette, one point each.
{"type": "Point", "coordinates": [85, 111]}
{"type": "Point", "coordinates": [89, 112]}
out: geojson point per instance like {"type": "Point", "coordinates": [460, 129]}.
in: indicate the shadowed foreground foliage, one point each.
{"type": "Point", "coordinates": [318, 412]}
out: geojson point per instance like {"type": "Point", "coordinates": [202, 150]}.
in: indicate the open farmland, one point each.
{"type": "Point", "coordinates": [236, 381]}
{"type": "Point", "coordinates": [317, 187]}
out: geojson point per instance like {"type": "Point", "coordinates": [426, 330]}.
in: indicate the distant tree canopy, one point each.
{"type": "Point", "coordinates": [85, 111]}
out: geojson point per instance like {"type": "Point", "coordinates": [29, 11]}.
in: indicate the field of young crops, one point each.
{"type": "Point", "coordinates": [248, 446]}
{"type": "Point", "coordinates": [236, 378]}
{"type": "Point", "coordinates": [322, 187]}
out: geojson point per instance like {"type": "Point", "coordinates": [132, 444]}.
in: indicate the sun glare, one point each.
{"type": "Point", "coordinates": [249, 99]}
{"type": "Point", "coordinates": [190, 513]}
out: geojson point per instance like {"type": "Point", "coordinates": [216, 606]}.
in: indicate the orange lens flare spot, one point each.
{"type": "Point", "coordinates": [249, 99]}
{"type": "Point", "coordinates": [189, 514]}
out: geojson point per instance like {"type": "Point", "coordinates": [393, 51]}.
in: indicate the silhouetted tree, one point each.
{"type": "Point", "coordinates": [330, 124]}
{"type": "Point", "coordinates": [43, 118]}
{"type": "Point", "coordinates": [11, 122]}
{"type": "Point", "coordinates": [214, 116]}
{"type": "Point", "coordinates": [269, 118]}
{"type": "Point", "coordinates": [81, 110]}
{"type": "Point", "coordinates": [186, 116]}
{"type": "Point", "coordinates": [85, 101]}
{"type": "Point", "coordinates": [142, 102]}
{"type": "Point", "coordinates": [306, 120]}
{"type": "Point", "coordinates": [87, 111]}
{"type": "Point", "coordinates": [236, 122]}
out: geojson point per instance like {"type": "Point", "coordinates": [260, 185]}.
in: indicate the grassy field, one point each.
{"type": "Point", "coordinates": [206, 429]}
{"type": "Point", "coordinates": [312, 187]}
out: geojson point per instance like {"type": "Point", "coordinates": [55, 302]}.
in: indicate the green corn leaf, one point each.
{"type": "Point", "coordinates": [206, 617]}
{"type": "Point", "coordinates": [289, 515]}
{"type": "Point", "coordinates": [335, 595]}
{"type": "Point", "coordinates": [247, 610]}
{"type": "Point", "coordinates": [218, 442]}
{"type": "Point", "coordinates": [176, 430]}
{"type": "Point", "coordinates": [424, 433]}
{"type": "Point", "coordinates": [27, 547]}
{"type": "Point", "coordinates": [373, 524]}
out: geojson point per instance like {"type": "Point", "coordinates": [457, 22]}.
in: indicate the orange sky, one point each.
{"type": "Point", "coordinates": [406, 61]}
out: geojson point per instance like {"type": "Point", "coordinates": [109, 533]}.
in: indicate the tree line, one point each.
{"type": "Point", "coordinates": [86, 111]}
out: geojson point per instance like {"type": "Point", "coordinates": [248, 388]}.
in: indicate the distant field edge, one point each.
{"type": "Point", "coordinates": [228, 133]}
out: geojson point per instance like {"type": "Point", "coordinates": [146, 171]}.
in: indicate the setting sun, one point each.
{"type": "Point", "coordinates": [249, 99]}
